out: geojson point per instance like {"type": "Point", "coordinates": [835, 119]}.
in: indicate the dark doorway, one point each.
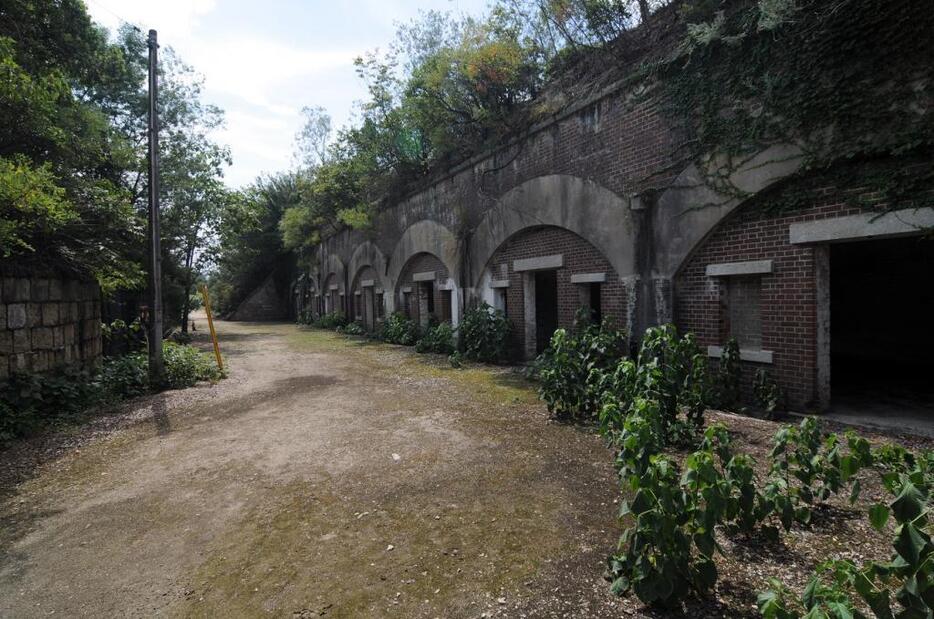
{"type": "Point", "coordinates": [546, 308]}
{"type": "Point", "coordinates": [596, 312]}
{"type": "Point", "coordinates": [882, 302]}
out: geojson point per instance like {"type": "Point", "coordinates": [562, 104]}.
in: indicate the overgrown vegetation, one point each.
{"type": "Point", "coordinates": [751, 74]}
{"type": "Point", "coordinates": [31, 401]}
{"type": "Point", "coordinates": [399, 330]}
{"type": "Point", "coordinates": [331, 320]}
{"type": "Point", "coordinates": [481, 336]}
{"type": "Point", "coordinates": [673, 507]}
{"type": "Point", "coordinates": [484, 334]}
{"type": "Point", "coordinates": [439, 338]}
{"type": "Point", "coordinates": [571, 370]}
{"type": "Point", "coordinates": [451, 87]}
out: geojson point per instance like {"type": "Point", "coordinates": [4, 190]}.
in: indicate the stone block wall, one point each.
{"type": "Point", "coordinates": [264, 304]}
{"type": "Point", "coordinates": [47, 323]}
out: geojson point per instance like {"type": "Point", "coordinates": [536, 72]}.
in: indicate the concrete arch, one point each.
{"type": "Point", "coordinates": [690, 210]}
{"type": "Point", "coordinates": [333, 273]}
{"type": "Point", "coordinates": [592, 212]}
{"type": "Point", "coordinates": [368, 254]}
{"type": "Point", "coordinates": [425, 237]}
{"type": "Point", "coordinates": [333, 265]}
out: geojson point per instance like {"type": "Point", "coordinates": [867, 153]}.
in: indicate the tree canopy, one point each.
{"type": "Point", "coordinates": [73, 152]}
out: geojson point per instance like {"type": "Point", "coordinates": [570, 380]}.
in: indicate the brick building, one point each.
{"type": "Point", "coordinates": [593, 209]}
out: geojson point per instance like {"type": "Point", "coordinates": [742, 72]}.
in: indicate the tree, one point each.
{"type": "Point", "coordinates": [249, 246]}
{"type": "Point", "coordinates": [73, 152]}
{"type": "Point", "coordinates": [311, 142]}
{"type": "Point", "coordinates": [57, 142]}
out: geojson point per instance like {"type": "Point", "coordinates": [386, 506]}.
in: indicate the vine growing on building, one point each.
{"type": "Point", "coordinates": [845, 81]}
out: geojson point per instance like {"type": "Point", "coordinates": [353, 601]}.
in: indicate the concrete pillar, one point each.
{"type": "Point", "coordinates": [528, 298]}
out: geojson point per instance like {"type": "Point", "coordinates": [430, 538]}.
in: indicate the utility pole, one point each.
{"type": "Point", "coordinates": [156, 365]}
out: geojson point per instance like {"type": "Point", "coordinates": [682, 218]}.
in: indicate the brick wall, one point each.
{"type": "Point", "coordinates": [579, 257]}
{"type": "Point", "coordinates": [413, 304]}
{"type": "Point", "coordinates": [787, 295]}
{"type": "Point", "coordinates": [363, 304]}
{"type": "Point", "coordinates": [48, 323]}
{"type": "Point", "coordinates": [331, 300]}
{"type": "Point", "coordinates": [622, 142]}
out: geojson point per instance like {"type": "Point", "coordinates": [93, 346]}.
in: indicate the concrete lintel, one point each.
{"type": "Point", "coordinates": [406, 289]}
{"type": "Point", "coordinates": [754, 267]}
{"type": "Point", "coordinates": [427, 276]}
{"type": "Point", "coordinates": [862, 226]}
{"type": "Point", "coordinates": [368, 283]}
{"type": "Point", "coordinates": [357, 293]}
{"type": "Point", "coordinates": [588, 278]}
{"type": "Point", "coordinates": [755, 356]}
{"type": "Point", "coordinates": [333, 287]}
{"type": "Point", "coordinates": [499, 283]}
{"type": "Point", "coordinates": [541, 263]}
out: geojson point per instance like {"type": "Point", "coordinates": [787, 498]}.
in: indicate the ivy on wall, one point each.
{"type": "Point", "coordinates": [846, 80]}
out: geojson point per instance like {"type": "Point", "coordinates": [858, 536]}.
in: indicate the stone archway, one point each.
{"type": "Point", "coordinates": [542, 276]}
{"type": "Point", "coordinates": [368, 255]}
{"type": "Point", "coordinates": [583, 207]}
{"type": "Point", "coordinates": [422, 239]}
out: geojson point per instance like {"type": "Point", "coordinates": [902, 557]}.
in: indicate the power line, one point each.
{"type": "Point", "coordinates": [119, 17]}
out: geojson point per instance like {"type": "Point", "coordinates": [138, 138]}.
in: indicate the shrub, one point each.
{"type": "Point", "coordinates": [120, 338]}
{"type": "Point", "coordinates": [186, 366]}
{"type": "Point", "coordinates": [332, 320]}
{"type": "Point", "coordinates": [484, 334]}
{"type": "Point", "coordinates": [766, 391]}
{"type": "Point", "coordinates": [399, 330]}
{"type": "Point", "coordinates": [571, 370]}
{"type": "Point", "coordinates": [28, 401]}
{"type": "Point", "coordinates": [669, 370]}
{"type": "Point", "coordinates": [180, 337]}
{"type": "Point", "coordinates": [126, 376]}
{"type": "Point", "coordinates": [354, 328]}
{"type": "Point", "coordinates": [908, 578]}
{"type": "Point", "coordinates": [437, 339]}
{"type": "Point", "coordinates": [729, 374]}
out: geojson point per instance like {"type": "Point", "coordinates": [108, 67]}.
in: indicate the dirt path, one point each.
{"type": "Point", "coordinates": [325, 477]}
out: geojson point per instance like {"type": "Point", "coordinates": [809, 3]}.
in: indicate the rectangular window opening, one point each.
{"type": "Point", "coordinates": [742, 312]}
{"type": "Point", "coordinates": [500, 299]}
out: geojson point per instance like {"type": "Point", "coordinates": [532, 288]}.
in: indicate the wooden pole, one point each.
{"type": "Point", "coordinates": [156, 364]}
{"type": "Point", "coordinates": [207, 308]}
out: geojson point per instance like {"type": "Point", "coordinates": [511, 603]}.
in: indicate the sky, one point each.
{"type": "Point", "coordinates": [263, 60]}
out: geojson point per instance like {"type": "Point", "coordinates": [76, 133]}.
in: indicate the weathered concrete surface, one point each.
{"type": "Point", "coordinates": [581, 206]}
{"type": "Point", "coordinates": [264, 303]}
{"type": "Point", "coordinates": [325, 477]}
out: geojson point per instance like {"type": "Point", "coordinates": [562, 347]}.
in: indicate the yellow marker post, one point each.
{"type": "Point", "coordinates": [207, 308]}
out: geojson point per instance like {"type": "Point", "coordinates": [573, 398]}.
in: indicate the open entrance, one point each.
{"type": "Point", "coordinates": [881, 340]}
{"type": "Point", "coordinates": [426, 303]}
{"type": "Point", "coordinates": [546, 308]}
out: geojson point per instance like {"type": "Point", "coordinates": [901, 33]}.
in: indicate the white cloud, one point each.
{"type": "Point", "coordinates": [255, 68]}
{"type": "Point", "coordinates": [174, 18]}
{"type": "Point", "coordinates": [260, 79]}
